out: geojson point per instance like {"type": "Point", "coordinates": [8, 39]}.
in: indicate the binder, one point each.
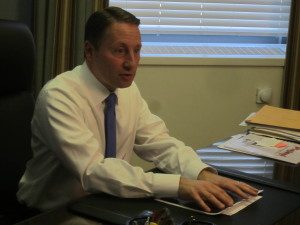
{"type": "Point", "coordinates": [276, 122]}
{"type": "Point", "coordinates": [276, 117]}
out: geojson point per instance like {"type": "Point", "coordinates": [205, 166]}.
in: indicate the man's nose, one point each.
{"type": "Point", "coordinates": [131, 60]}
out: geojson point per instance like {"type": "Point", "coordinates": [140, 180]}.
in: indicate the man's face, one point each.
{"type": "Point", "coordinates": [115, 61]}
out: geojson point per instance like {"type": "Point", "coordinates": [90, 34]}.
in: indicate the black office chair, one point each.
{"type": "Point", "coordinates": [17, 54]}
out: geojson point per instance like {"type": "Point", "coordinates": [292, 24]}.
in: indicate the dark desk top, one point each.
{"type": "Point", "coordinates": [279, 199]}
{"type": "Point", "coordinates": [59, 216]}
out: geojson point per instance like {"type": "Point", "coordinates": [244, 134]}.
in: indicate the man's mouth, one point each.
{"type": "Point", "coordinates": [127, 76]}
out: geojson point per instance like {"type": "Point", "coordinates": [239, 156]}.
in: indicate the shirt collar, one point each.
{"type": "Point", "coordinates": [97, 91]}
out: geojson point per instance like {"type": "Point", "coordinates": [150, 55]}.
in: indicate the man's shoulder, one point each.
{"type": "Point", "coordinates": [65, 80]}
{"type": "Point", "coordinates": [65, 83]}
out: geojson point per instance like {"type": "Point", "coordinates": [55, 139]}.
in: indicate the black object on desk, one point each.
{"type": "Point", "coordinates": [279, 200]}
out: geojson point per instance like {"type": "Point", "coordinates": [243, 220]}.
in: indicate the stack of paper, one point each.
{"type": "Point", "coordinates": [275, 134]}
{"type": "Point", "coordinates": [262, 146]}
{"type": "Point", "coordinates": [276, 122]}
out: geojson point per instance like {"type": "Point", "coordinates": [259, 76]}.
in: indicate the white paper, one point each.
{"type": "Point", "coordinates": [229, 211]}
{"type": "Point", "coordinates": [248, 144]}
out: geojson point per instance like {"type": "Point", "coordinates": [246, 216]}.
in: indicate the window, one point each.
{"type": "Point", "coordinates": [218, 28]}
{"type": "Point", "coordinates": [238, 161]}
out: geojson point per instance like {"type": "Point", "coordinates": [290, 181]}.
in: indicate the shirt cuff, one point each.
{"type": "Point", "coordinates": [166, 185]}
{"type": "Point", "coordinates": [194, 168]}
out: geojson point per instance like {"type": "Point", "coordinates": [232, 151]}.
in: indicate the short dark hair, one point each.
{"type": "Point", "coordinates": [99, 21]}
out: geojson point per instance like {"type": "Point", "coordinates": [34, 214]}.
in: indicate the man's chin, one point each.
{"type": "Point", "coordinates": [125, 85]}
{"type": "Point", "coordinates": [126, 81]}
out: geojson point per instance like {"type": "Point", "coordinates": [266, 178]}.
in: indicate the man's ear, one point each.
{"type": "Point", "coordinates": [88, 50]}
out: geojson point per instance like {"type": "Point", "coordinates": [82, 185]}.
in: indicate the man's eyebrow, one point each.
{"type": "Point", "coordinates": [123, 44]}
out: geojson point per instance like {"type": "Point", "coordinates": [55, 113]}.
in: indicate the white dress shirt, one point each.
{"type": "Point", "coordinates": [68, 143]}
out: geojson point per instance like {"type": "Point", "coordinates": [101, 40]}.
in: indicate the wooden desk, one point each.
{"type": "Point", "coordinates": [278, 200]}
{"type": "Point", "coordinates": [59, 216]}
{"type": "Point", "coordinates": [62, 216]}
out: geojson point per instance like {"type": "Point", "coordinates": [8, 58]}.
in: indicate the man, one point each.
{"type": "Point", "coordinates": [68, 134]}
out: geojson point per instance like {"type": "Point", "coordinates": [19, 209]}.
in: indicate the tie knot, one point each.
{"type": "Point", "coordinates": [111, 99]}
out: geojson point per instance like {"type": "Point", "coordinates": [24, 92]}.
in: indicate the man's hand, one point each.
{"type": "Point", "coordinates": [211, 187]}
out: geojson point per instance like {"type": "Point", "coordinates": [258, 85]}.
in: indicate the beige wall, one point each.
{"type": "Point", "coordinates": [203, 101]}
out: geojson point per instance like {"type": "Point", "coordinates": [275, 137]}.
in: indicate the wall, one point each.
{"type": "Point", "coordinates": [203, 101]}
{"type": "Point", "coordinates": [17, 10]}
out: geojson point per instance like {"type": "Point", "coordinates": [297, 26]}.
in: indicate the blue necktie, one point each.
{"type": "Point", "coordinates": [110, 126]}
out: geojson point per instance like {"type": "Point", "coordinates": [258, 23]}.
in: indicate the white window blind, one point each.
{"type": "Point", "coordinates": [238, 161]}
{"type": "Point", "coordinates": [237, 25]}
{"type": "Point", "coordinates": [205, 17]}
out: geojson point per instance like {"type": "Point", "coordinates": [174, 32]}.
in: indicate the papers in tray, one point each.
{"type": "Point", "coordinates": [264, 147]}
{"type": "Point", "coordinates": [239, 204]}
{"type": "Point", "coordinates": [276, 122]}
{"type": "Point", "coordinates": [280, 133]}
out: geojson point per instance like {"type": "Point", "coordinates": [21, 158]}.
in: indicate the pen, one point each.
{"type": "Point", "coordinates": [147, 221]}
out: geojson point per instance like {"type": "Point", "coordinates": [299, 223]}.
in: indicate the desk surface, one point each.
{"type": "Point", "coordinates": [275, 204]}
{"type": "Point", "coordinates": [59, 216]}
{"type": "Point", "coordinates": [262, 212]}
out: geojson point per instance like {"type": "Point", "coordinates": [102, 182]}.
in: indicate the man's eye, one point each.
{"type": "Point", "coordinates": [119, 51]}
{"type": "Point", "coordinates": [137, 50]}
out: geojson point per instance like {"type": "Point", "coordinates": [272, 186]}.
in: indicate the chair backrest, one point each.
{"type": "Point", "coordinates": [17, 56]}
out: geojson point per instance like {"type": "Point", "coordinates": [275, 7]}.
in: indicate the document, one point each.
{"type": "Point", "coordinates": [229, 211]}
{"type": "Point", "coordinates": [276, 117]}
{"type": "Point", "coordinates": [262, 146]}
{"type": "Point", "coordinates": [279, 133]}
{"type": "Point", "coordinates": [275, 122]}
